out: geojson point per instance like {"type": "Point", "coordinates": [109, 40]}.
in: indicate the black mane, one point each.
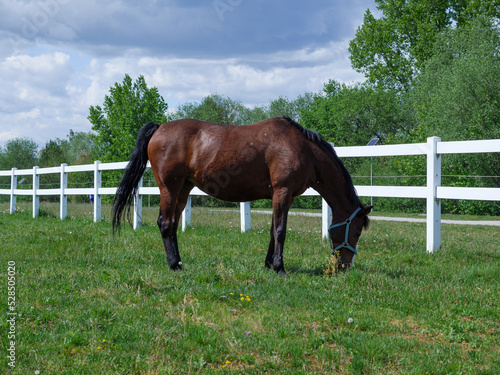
{"type": "Point", "coordinates": [327, 147]}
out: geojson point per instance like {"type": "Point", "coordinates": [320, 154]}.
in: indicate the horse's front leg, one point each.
{"type": "Point", "coordinates": [270, 250]}
{"type": "Point", "coordinates": [281, 205]}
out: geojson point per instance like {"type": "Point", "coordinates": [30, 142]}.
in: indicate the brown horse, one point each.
{"type": "Point", "coordinates": [272, 159]}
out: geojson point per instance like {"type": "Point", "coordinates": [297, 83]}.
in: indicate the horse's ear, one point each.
{"type": "Point", "coordinates": [365, 210]}
{"type": "Point", "coordinates": [363, 213]}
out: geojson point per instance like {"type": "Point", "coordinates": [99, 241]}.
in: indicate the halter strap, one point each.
{"type": "Point", "coordinates": [347, 223]}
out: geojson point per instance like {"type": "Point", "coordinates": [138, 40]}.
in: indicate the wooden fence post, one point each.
{"type": "Point", "coordinates": [13, 187]}
{"type": "Point", "coordinates": [36, 198]}
{"type": "Point", "coordinates": [97, 196]}
{"type": "Point", "coordinates": [433, 203]}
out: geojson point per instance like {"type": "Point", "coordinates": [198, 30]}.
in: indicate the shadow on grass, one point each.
{"type": "Point", "coordinates": [317, 271]}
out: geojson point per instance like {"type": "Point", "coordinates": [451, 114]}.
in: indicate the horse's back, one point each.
{"type": "Point", "coordinates": [180, 135]}
{"type": "Point", "coordinates": [231, 162]}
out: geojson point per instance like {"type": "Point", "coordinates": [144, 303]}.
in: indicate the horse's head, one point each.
{"type": "Point", "coordinates": [344, 235]}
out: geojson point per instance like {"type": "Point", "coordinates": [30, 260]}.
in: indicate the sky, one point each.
{"type": "Point", "coordinates": [59, 57]}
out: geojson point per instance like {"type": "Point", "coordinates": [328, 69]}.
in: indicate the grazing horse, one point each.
{"type": "Point", "coordinates": [272, 159]}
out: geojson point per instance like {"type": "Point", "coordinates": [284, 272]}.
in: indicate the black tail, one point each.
{"type": "Point", "coordinates": [128, 187]}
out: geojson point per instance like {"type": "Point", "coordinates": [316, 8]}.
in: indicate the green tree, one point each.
{"type": "Point", "coordinates": [457, 97]}
{"type": "Point", "coordinates": [352, 115]}
{"type": "Point", "coordinates": [71, 151]}
{"type": "Point", "coordinates": [223, 110]}
{"type": "Point", "coordinates": [20, 153]}
{"type": "Point", "coordinates": [393, 49]}
{"type": "Point", "coordinates": [256, 114]}
{"type": "Point", "coordinates": [80, 152]}
{"type": "Point", "coordinates": [281, 107]}
{"type": "Point", "coordinates": [80, 146]}
{"type": "Point", "coordinates": [291, 108]}
{"type": "Point", "coordinates": [213, 108]}
{"type": "Point", "coordinates": [54, 153]}
{"type": "Point", "coordinates": [126, 109]}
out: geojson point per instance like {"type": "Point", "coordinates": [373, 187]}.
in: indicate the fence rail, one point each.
{"type": "Point", "coordinates": [433, 192]}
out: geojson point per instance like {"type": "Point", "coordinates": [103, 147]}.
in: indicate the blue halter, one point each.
{"type": "Point", "coordinates": [347, 223]}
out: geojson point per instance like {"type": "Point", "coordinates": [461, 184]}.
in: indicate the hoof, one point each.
{"type": "Point", "coordinates": [282, 273]}
{"type": "Point", "coordinates": [176, 267]}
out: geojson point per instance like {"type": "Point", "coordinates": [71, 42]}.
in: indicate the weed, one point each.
{"type": "Point", "coordinates": [332, 265]}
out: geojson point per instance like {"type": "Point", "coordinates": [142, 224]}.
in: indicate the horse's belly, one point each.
{"type": "Point", "coordinates": [233, 187]}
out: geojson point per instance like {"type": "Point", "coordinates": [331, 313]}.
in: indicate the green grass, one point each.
{"type": "Point", "coordinates": [91, 305]}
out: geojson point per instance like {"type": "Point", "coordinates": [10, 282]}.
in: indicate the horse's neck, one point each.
{"type": "Point", "coordinates": [334, 190]}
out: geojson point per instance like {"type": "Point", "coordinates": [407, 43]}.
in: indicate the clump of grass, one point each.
{"type": "Point", "coordinates": [226, 274]}
{"type": "Point", "coordinates": [332, 265]}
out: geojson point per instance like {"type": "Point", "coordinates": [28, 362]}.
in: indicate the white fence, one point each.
{"type": "Point", "coordinates": [433, 192]}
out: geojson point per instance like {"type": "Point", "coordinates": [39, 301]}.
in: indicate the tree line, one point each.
{"type": "Point", "coordinates": [432, 69]}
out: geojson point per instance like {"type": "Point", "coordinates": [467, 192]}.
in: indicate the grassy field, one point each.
{"type": "Point", "coordinates": [89, 305]}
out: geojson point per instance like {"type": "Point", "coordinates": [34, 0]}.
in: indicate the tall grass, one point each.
{"type": "Point", "coordinates": [89, 304]}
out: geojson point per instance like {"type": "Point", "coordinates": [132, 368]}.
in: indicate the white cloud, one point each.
{"type": "Point", "coordinates": [40, 75]}
{"type": "Point", "coordinates": [33, 94]}
{"type": "Point", "coordinates": [46, 88]}
{"type": "Point", "coordinates": [33, 114]}
{"type": "Point", "coordinates": [251, 79]}
{"type": "Point", "coordinates": [58, 57]}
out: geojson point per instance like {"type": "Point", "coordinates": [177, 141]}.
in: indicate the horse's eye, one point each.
{"type": "Point", "coordinates": [357, 234]}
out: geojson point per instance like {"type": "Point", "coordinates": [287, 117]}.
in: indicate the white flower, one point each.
{"type": "Point", "coordinates": [350, 320]}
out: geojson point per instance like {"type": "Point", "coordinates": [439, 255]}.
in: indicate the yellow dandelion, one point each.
{"type": "Point", "coordinates": [248, 299]}
{"type": "Point", "coordinates": [98, 348]}
{"type": "Point", "coordinates": [228, 362]}
{"type": "Point", "coordinates": [241, 295]}
{"type": "Point", "coordinates": [231, 293]}
{"type": "Point", "coordinates": [242, 298]}
{"type": "Point", "coordinates": [104, 340]}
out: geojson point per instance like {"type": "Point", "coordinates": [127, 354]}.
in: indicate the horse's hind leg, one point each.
{"type": "Point", "coordinates": [173, 257]}
{"type": "Point", "coordinates": [181, 204]}
{"type": "Point", "coordinates": [281, 204]}
{"type": "Point", "coordinates": [167, 221]}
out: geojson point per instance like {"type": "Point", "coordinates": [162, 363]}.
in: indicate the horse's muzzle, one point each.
{"type": "Point", "coordinates": [344, 265]}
